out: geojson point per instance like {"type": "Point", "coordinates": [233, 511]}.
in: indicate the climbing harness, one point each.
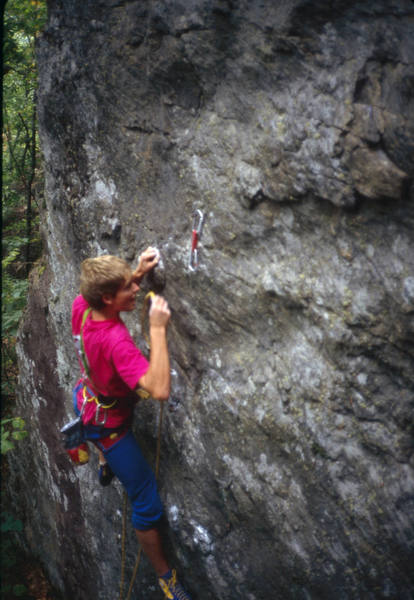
{"type": "Point", "coordinates": [143, 394]}
{"type": "Point", "coordinates": [198, 222]}
{"type": "Point", "coordinates": [103, 403]}
{"type": "Point", "coordinates": [100, 406]}
{"type": "Point", "coordinates": [76, 433]}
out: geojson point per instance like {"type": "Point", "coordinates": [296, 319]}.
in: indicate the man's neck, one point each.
{"type": "Point", "coordinates": [104, 314]}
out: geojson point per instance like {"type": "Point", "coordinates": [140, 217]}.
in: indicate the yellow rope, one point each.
{"type": "Point", "coordinates": [124, 511]}
{"type": "Point", "coordinates": [157, 468]}
{"type": "Point", "coordinates": [144, 312]}
{"type": "Point", "coordinates": [134, 574]}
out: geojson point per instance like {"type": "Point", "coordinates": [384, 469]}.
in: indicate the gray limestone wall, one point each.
{"type": "Point", "coordinates": [287, 466]}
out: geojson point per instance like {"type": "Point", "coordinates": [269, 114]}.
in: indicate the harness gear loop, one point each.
{"type": "Point", "coordinates": [198, 222]}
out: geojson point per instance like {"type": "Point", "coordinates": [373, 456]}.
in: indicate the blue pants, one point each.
{"type": "Point", "coordinates": [129, 465]}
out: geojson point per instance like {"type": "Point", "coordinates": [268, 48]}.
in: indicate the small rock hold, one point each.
{"type": "Point", "coordinates": [408, 290]}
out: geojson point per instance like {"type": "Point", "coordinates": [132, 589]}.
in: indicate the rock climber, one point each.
{"type": "Point", "coordinates": [105, 395]}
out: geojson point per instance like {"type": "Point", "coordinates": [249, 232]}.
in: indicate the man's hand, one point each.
{"type": "Point", "coordinates": [159, 314]}
{"type": "Point", "coordinates": [147, 261]}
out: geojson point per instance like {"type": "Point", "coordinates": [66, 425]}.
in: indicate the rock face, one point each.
{"type": "Point", "coordinates": [287, 466]}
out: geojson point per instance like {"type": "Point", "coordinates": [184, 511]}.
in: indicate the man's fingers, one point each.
{"type": "Point", "coordinates": [159, 302]}
{"type": "Point", "coordinates": [159, 308]}
{"type": "Point", "coordinates": [147, 261]}
{"type": "Point", "coordinates": [150, 253]}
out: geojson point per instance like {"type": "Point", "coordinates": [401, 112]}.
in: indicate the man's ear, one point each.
{"type": "Point", "coordinates": [107, 299]}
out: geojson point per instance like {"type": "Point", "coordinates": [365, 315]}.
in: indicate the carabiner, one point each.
{"type": "Point", "coordinates": [100, 406]}
{"type": "Point", "coordinates": [198, 222]}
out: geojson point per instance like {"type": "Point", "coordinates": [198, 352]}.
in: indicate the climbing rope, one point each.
{"type": "Point", "coordinates": [134, 574]}
{"type": "Point", "coordinates": [157, 467]}
{"type": "Point", "coordinates": [124, 514]}
{"type": "Point", "coordinates": [138, 559]}
{"type": "Point", "coordinates": [142, 394]}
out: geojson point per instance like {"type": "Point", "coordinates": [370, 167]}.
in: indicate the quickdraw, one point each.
{"type": "Point", "coordinates": [198, 222]}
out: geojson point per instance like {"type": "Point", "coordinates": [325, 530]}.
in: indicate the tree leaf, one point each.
{"type": "Point", "coordinates": [6, 446]}
{"type": "Point", "coordinates": [19, 435]}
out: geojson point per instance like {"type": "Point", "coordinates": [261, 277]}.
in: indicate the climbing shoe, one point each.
{"type": "Point", "coordinates": [105, 474]}
{"type": "Point", "coordinates": [172, 588]}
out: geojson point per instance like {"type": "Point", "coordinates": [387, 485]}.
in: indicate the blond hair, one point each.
{"type": "Point", "coordinates": [102, 275]}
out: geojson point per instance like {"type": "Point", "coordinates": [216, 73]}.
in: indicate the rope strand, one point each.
{"type": "Point", "coordinates": [124, 511]}
{"type": "Point", "coordinates": [144, 312]}
{"type": "Point", "coordinates": [157, 468]}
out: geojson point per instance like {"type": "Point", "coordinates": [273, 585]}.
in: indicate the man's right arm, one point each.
{"type": "Point", "coordinates": [157, 378]}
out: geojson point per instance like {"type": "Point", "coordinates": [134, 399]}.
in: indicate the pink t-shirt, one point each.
{"type": "Point", "coordinates": [116, 364]}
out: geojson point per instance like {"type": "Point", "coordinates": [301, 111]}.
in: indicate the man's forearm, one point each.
{"type": "Point", "coordinates": [137, 276]}
{"type": "Point", "coordinates": [157, 379]}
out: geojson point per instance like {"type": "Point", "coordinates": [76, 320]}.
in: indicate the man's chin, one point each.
{"type": "Point", "coordinates": [129, 307]}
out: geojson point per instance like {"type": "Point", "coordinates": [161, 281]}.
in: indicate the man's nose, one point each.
{"type": "Point", "coordinates": [135, 287]}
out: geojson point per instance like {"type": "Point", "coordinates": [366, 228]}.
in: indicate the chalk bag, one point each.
{"type": "Point", "coordinates": [74, 441]}
{"type": "Point", "coordinates": [79, 455]}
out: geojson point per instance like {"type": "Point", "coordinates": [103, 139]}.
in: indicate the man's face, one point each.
{"type": "Point", "coordinates": [124, 299]}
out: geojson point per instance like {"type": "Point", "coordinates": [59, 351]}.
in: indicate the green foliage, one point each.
{"type": "Point", "coordinates": [14, 291]}
{"type": "Point", "coordinates": [22, 173]}
{"type": "Point", "coordinates": [22, 181]}
{"type": "Point", "coordinates": [12, 430]}
{"type": "Point", "coordinates": [23, 20]}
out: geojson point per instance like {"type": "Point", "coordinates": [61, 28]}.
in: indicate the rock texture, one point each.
{"type": "Point", "coordinates": [287, 464]}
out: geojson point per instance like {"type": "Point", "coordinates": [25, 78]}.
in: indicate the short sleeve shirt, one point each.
{"type": "Point", "coordinates": [116, 364]}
